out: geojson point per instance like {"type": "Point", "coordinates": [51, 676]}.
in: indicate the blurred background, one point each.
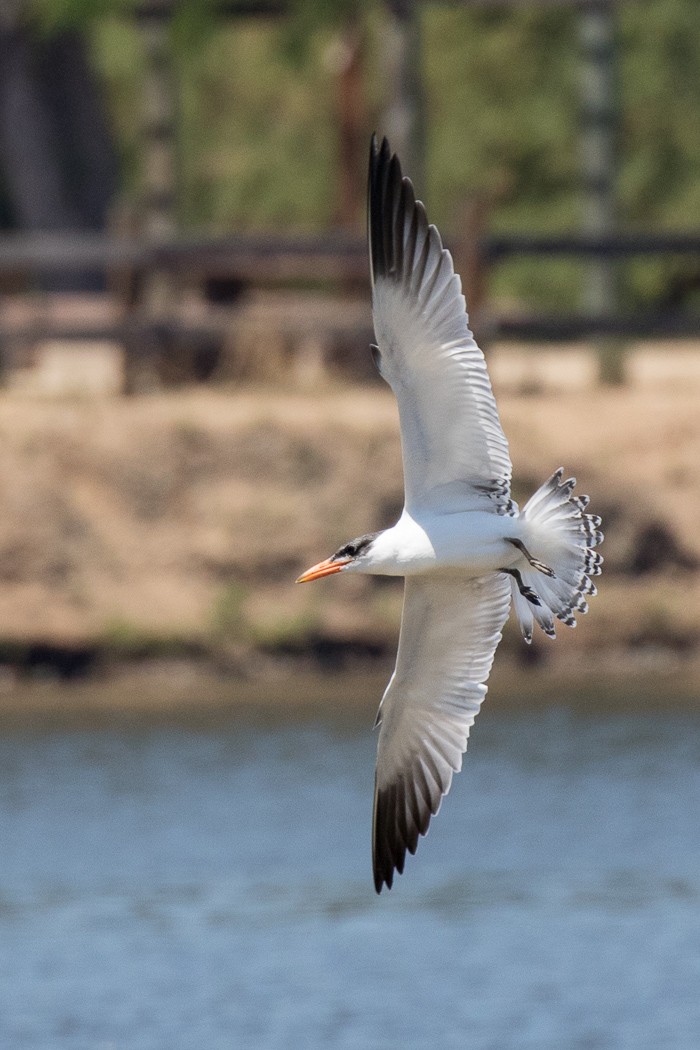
{"type": "Point", "coordinates": [189, 418]}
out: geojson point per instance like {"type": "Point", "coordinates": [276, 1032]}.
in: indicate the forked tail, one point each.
{"type": "Point", "coordinates": [563, 538]}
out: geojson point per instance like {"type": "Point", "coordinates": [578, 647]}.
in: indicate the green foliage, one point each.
{"type": "Point", "coordinates": [126, 639]}
{"type": "Point", "coordinates": [285, 629]}
{"type": "Point", "coordinates": [118, 53]}
{"type": "Point", "coordinates": [501, 94]}
{"type": "Point", "coordinates": [54, 15]}
{"type": "Point", "coordinates": [256, 136]}
{"type": "Point", "coordinates": [501, 116]}
{"type": "Point", "coordinates": [194, 22]}
{"type": "Point", "coordinates": [307, 17]}
{"type": "Point", "coordinates": [660, 135]}
{"type": "Point", "coordinates": [258, 118]}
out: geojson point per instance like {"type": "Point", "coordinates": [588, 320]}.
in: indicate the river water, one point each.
{"type": "Point", "coordinates": [164, 889]}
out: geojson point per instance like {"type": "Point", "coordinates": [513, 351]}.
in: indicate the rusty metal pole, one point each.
{"type": "Point", "coordinates": [472, 264]}
{"type": "Point", "coordinates": [352, 125]}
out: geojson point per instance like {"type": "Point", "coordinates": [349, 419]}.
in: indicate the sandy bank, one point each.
{"type": "Point", "coordinates": [173, 526]}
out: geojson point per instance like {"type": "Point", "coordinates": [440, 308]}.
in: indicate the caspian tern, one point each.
{"type": "Point", "coordinates": [461, 542]}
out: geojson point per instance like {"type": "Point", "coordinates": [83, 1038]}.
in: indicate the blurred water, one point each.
{"type": "Point", "coordinates": [174, 889]}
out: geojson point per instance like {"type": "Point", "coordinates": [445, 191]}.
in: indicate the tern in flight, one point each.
{"type": "Point", "coordinates": [461, 542]}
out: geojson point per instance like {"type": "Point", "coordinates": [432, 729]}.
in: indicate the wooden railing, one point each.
{"type": "Point", "coordinates": [654, 322]}
{"type": "Point", "coordinates": [252, 259]}
{"type": "Point", "coordinates": [329, 260]}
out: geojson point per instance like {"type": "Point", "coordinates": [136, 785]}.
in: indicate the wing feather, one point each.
{"type": "Point", "coordinates": [449, 632]}
{"type": "Point", "coordinates": [454, 450]}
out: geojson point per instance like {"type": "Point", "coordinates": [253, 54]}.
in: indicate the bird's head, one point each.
{"type": "Point", "coordinates": [354, 556]}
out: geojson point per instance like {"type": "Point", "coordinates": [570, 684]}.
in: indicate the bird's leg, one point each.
{"type": "Point", "coordinates": [527, 592]}
{"type": "Point", "coordinates": [539, 565]}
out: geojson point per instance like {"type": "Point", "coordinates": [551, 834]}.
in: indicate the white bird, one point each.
{"type": "Point", "coordinates": [461, 543]}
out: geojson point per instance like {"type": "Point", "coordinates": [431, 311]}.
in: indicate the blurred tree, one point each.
{"type": "Point", "coordinates": [58, 162]}
{"type": "Point", "coordinates": [345, 58]}
{"type": "Point", "coordinates": [260, 142]}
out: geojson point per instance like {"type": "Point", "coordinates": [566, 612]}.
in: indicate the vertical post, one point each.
{"type": "Point", "coordinates": [599, 163]}
{"type": "Point", "coordinates": [352, 125]}
{"type": "Point", "coordinates": [404, 115]}
{"type": "Point", "coordinates": [159, 189]}
{"type": "Point", "coordinates": [159, 127]}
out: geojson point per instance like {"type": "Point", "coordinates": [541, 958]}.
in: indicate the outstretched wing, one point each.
{"type": "Point", "coordinates": [449, 632]}
{"type": "Point", "coordinates": [455, 453]}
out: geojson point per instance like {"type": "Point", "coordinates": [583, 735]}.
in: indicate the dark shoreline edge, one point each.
{"type": "Point", "coordinates": [198, 693]}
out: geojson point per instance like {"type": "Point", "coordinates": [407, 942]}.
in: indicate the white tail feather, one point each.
{"type": "Point", "coordinates": [557, 531]}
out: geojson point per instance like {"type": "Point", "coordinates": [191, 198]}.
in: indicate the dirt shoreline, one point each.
{"type": "Point", "coordinates": [166, 532]}
{"type": "Point", "coordinates": [193, 696]}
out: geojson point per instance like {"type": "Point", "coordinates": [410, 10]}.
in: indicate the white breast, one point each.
{"type": "Point", "coordinates": [473, 542]}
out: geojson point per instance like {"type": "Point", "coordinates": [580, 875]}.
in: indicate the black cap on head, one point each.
{"type": "Point", "coordinates": [355, 547]}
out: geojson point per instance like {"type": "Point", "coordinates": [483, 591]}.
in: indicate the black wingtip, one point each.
{"type": "Point", "coordinates": [375, 148]}
{"type": "Point", "coordinates": [385, 205]}
{"type": "Point", "coordinates": [394, 218]}
{"type": "Point", "coordinates": [383, 861]}
{"type": "Point", "coordinates": [402, 814]}
{"type": "Point", "coordinates": [383, 876]}
{"type": "Point", "coordinates": [389, 839]}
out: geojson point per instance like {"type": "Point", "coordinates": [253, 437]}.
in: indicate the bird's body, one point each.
{"type": "Point", "coordinates": [469, 543]}
{"type": "Point", "coordinates": [462, 544]}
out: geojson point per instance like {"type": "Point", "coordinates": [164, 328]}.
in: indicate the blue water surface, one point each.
{"type": "Point", "coordinates": [188, 889]}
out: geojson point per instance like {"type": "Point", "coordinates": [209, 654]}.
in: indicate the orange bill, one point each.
{"type": "Point", "coordinates": [324, 568]}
